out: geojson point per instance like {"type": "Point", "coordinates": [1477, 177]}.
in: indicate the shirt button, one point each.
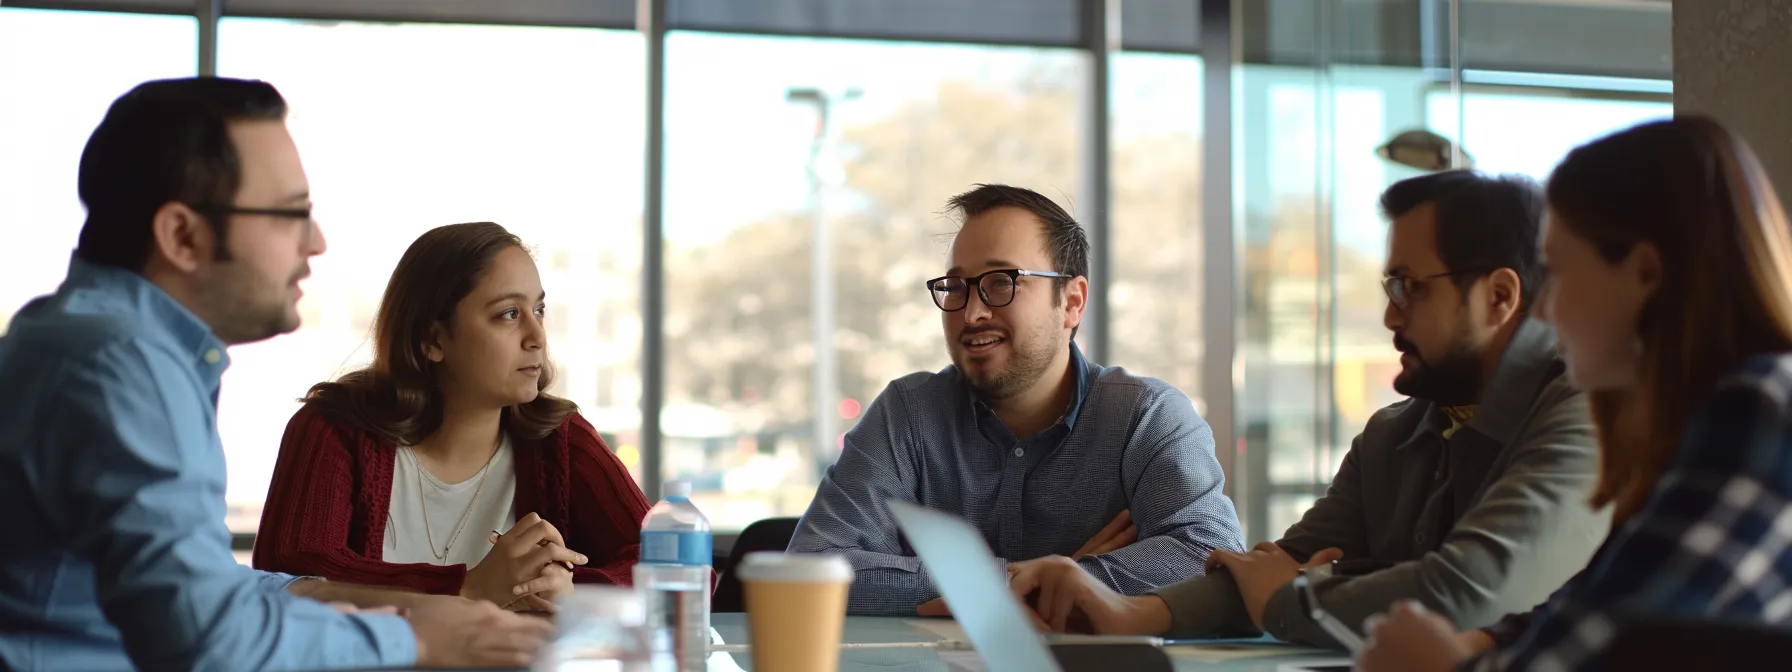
{"type": "Point", "coordinates": [1020, 452]}
{"type": "Point", "coordinates": [212, 356]}
{"type": "Point", "coordinates": [1421, 537]}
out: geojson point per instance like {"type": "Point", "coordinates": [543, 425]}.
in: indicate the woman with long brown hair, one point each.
{"type": "Point", "coordinates": [1670, 286]}
{"type": "Point", "coordinates": [402, 473]}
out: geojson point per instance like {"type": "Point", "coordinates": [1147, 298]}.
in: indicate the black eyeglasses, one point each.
{"type": "Point", "coordinates": [221, 210]}
{"type": "Point", "coordinates": [1400, 287]}
{"type": "Point", "coordinates": [224, 209]}
{"type": "Point", "coordinates": [996, 288]}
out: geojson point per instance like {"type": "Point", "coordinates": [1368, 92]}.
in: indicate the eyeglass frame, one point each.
{"type": "Point", "coordinates": [1014, 276]}
{"type": "Point", "coordinates": [224, 209]}
{"type": "Point", "coordinates": [1405, 298]}
{"type": "Point", "coordinates": [1308, 599]}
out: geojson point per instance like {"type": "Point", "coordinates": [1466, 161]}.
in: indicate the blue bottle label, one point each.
{"type": "Point", "coordinates": [675, 548]}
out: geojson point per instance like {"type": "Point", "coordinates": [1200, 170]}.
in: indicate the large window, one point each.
{"type": "Point", "coordinates": [1528, 131]}
{"type": "Point", "coordinates": [59, 71]}
{"type": "Point", "coordinates": [927, 122]}
{"type": "Point", "coordinates": [405, 127]}
{"type": "Point", "coordinates": [805, 136]}
{"type": "Point", "coordinates": [1155, 300]}
{"type": "Point", "coordinates": [1317, 361]}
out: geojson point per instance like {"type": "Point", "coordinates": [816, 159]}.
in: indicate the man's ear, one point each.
{"type": "Point", "coordinates": [1505, 294]}
{"type": "Point", "coordinates": [1076, 300]}
{"type": "Point", "coordinates": [182, 237]}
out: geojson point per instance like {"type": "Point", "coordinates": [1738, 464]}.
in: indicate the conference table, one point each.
{"type": "Point", "coordinates": [935, 645]}
{"type": "Point", "coordinates": [915, 644]}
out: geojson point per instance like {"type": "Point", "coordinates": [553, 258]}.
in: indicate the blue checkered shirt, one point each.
{"type": "Point", "coordinates": [1713, 541]}
{"type": "Point", "coordinates": [1125, 442]}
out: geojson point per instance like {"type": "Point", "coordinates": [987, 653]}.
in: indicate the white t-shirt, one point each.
{"type": "Point", "coordinates": [406, 538]}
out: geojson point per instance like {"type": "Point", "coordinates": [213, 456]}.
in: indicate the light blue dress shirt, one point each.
{"type": "Point", "coordinates": [112, 484]}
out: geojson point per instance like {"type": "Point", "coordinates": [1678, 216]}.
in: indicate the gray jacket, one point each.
{"type": "Point", "coordinates": [1486, 523]}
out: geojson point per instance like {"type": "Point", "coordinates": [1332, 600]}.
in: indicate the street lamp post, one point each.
{"type": "Point", "coordinates": [821, 282]}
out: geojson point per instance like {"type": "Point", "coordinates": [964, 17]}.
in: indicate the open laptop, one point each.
{"type": "Point", "coordinates": [976, 587]}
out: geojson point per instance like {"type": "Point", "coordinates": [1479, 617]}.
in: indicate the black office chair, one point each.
{"type": "Point", "coordinates": [1693, 644]}
{"type": "Point", "coordinates": [771, 534]}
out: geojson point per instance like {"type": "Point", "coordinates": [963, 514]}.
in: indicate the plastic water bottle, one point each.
{"type": "Point", "coordinates": [674, 577]}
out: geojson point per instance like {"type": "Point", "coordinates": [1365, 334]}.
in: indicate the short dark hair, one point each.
{"type": "Point", "coordinates": [1065, 241]}
{"type": "Point", "coordinates": [164, 141]}
{"type": "Point", "coordinates": [1483, 222]}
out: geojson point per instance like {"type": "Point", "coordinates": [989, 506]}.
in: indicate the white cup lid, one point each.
{"type": "Point", "coordinates": [795, 568]}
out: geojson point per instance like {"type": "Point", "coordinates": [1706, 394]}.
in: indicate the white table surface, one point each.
{"type": "Point", "coordinates": [1257, 655]}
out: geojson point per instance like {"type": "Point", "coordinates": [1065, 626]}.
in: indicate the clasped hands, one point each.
{"type": "Point", "coordinates": [528, 566]}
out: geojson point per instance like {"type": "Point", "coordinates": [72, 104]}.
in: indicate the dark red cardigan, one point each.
{"type": "Point", "coordinates": [332, 490]}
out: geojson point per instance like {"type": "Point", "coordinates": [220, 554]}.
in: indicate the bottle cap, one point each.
{"type": "Point", "coordinates": [677, 488]}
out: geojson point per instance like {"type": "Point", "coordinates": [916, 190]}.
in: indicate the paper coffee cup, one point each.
{"type": "Point", "coordinates": [796, 609]}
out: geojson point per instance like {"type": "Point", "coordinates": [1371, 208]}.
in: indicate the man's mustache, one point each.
{"type": "Point", "coordinates": [1405, 346]}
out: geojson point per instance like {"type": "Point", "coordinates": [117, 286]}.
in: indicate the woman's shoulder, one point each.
{"type": "Point", "coordinates": [1755, 397]}
{"type": "Point", "coordinates": [1768, 374]}
{"type": "Point", "coordinates": [1745, 424]}
{"type": "Point", "coordinates": [577, 433]}
{"type": "Point", "coordinates": [320, 422]}
{"type": "Point", "coordinates": [316, 412]}
{"type": "Point", "coordinates": [312, 416]}
{"type": "Point", "coordinates": [585, 448]}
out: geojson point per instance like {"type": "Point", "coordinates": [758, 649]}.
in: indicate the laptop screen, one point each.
{"type": "Point", "coordinates": [975, 588]}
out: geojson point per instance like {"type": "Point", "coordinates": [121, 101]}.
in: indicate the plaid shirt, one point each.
{"type": "Point", "coordinates": [1124, 443]}
{"type": "Point", "coordinates": [1713, 541]}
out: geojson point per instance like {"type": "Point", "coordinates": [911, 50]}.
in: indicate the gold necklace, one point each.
{"type": "Point", "coordinates": [429, 535]}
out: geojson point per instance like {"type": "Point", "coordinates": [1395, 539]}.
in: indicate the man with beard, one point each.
{"type": "Point", "coordinates": [1050, 456]}
{"type": "Point", "coordinates": [1469, 498]}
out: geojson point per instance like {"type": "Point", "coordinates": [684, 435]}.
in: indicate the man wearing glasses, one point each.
{"type": "Point", "coordinates": [1052, 457]}
{"type": "Point", "coordinates": [198, 233]}
{"type": "Point", "coordinates": [1470, 497]}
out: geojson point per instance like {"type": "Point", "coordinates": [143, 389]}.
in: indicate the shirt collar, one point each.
{"type": "Point", "coordinates": [109, 289]}
{"type": "Point", "coordinates": [1085, 382]}
{"type": "Point", "coordinates": [1530, 362]}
